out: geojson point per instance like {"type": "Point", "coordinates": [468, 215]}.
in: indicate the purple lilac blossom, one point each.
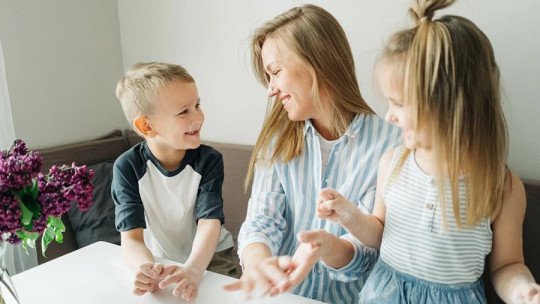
{"type": "Point", "coordinates": [18, 167]}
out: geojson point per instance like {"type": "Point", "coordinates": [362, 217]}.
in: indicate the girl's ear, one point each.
{"type": "Point", "coordinates": [143, 125]}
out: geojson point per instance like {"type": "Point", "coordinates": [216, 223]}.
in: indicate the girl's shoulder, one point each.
{"type": "Point", "coordinates": [514, 198]}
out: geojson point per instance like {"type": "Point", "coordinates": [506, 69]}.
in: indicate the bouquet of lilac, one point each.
{"type": "Point", "coordinates": [31, 203]}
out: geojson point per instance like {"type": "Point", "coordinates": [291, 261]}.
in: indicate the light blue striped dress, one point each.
{"type": "Point", "coordinates": [422, 261]}
{"type": "Point", "coordinates": [284, 197]}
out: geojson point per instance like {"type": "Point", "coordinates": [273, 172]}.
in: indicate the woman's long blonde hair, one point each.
{"type": "Point", "coordinates": [319, 41]}
{"type": "Point", "coordinates": [451, 79]}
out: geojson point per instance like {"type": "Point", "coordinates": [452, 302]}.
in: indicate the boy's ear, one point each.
{"type": "Point", "coordinates": [142, 124]}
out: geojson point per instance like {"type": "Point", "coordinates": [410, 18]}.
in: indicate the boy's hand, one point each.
{"type": "Point", "coordinates": [527, 294]}
{"type": "Point", "coordinates": [148, 278]}
{"type": "Point", "coordinates": [187, 279]}
{"type": "Point", "coordinates": [332, 206]}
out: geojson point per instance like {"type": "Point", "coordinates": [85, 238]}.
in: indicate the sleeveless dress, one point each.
{"type": "Point", "coordinates": [421, 259]}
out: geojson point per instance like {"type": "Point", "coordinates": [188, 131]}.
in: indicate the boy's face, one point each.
{"type": "Point", "coordinates": [177, 117]}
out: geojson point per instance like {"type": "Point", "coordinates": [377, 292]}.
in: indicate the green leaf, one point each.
{"type": "Point", "coordinates": [58, 226]}
{"type": "Point", "coordinates": [27, 215]}
{"type": "Point", "coordinates": [34, 190]}
{"type": "Point", "coordinates": [28, 239]}
{"type": "Point", "coordinates": [47, 238]}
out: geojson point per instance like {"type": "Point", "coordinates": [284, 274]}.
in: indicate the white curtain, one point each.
{"type": "Point", "coordinates": [15, 258]}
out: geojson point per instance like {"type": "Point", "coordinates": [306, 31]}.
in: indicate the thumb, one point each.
{"type": "Point", "coordinates": [313, 237]}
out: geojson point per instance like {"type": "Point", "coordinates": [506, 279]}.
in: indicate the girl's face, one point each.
{"type": "Point", "coordinates": [401, 112]}
{"type": "Point", "coordinates": [290, 80]}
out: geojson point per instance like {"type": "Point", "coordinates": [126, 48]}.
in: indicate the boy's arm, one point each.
{"type": "Point", "coordinates": [134, 251]}
{"type": "Point", "coordinates": [512, 280]}
{"type": "Point", "coordinates": [188, 276]}
{"type": "Point", "coordinates": [204, 244]}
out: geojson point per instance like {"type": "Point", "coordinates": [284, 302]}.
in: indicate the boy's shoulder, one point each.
{"type": "Point", "coordinates": [203, 157]}
{"type": "Point", "coordinates": [133, 159]}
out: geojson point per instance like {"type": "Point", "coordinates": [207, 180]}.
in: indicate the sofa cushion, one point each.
{"type": "Point", "coordinates": [97, 223]}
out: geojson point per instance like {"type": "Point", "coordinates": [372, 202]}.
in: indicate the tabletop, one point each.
{"type": "Point", "coordinates": [97, 274]}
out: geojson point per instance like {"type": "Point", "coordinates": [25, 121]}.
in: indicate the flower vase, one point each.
{"type": "Point", "coordinates": [8, 295]}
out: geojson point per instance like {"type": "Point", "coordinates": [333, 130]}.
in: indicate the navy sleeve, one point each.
{"type": "Point", "coordinates": [129, 210]}
{"type": "Point", "coordinates": [209, 203]}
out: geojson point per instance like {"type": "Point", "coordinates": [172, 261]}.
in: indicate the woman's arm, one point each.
{"type": "Point", "coordinates": [512, 280]}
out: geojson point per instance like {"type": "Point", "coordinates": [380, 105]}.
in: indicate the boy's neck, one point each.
{"type": "Point", "coordinates": [169, 159]}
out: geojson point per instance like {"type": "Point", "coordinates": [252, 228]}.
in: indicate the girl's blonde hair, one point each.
{"type": "Point", "coordinates": [319, 41]}
{"type": "Point", "coordinates": [138, 89]}
{"type": "Point", "coordinates": [451, 80]}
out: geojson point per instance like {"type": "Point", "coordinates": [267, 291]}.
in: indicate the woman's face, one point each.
{"type": "Point", "coordinates": [290, 80]}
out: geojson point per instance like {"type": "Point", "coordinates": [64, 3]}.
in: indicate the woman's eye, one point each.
{"type": "Point", "coordinates": [183, 112]}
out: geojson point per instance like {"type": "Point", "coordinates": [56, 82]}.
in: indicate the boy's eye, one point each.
{"type": "Point", "coordinates": [198, 106]}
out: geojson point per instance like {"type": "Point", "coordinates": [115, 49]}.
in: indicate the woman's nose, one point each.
{"type": "Point", "coordinates": [271, 91]}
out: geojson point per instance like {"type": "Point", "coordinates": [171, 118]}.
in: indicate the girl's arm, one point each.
{"type": "Point", "coordinates": [367, 228]}
{"type": "Point", "coordinates": [512, 280]}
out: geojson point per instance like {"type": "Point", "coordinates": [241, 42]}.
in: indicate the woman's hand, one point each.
{"type": "Point", "coordinates": [268, 277]}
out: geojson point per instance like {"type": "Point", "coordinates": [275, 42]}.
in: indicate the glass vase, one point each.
{"type": "Point", "coordinates": [8, 294]}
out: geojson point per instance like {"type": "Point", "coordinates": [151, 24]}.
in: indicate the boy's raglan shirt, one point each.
{"type": "Point", "coordinates": [169, 204]}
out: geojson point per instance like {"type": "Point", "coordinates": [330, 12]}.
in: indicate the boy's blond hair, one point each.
{"type": "Point", "coordinates": [138, 89]}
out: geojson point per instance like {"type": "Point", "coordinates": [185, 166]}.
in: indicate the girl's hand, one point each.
{"type": "Point", "coordinates": [148, 278]}
{"type": "Point", "coordinates": [528, 293]}
{"type": "Point", "coordinates": [187, 279]}
{"type": "Point", "coordinates": [269, 277]}
{"type": "Point", "coordinates": [332, 206]}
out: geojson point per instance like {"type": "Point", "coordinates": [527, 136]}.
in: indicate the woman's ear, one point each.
{"type": "Point", "coordinates": [143, 126]}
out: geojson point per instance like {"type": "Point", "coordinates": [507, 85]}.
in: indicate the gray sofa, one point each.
{"type": "Point", "coordinates": [101, 152]}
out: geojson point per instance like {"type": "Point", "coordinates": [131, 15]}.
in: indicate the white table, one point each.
{"type": "Point", "coordinates": [97, 274]}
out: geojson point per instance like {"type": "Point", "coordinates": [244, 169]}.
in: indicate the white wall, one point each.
{"type": "Point", "coordinates": [211, 39]}
{"type": "Point", "coordinates": [62, 59]}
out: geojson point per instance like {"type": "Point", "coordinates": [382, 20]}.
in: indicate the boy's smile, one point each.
{"type": "Point", "coordinates": [176, 121]}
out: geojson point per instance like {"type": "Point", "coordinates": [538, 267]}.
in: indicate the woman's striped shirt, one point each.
{"type": "Point", "coordinates": [284, 197]}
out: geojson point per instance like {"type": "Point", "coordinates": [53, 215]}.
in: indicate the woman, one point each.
{"type": "Point", "coordinates": [318, 133]}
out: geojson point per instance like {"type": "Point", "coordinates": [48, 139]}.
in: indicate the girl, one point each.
{"type": "Point", "coordinates": [319, 133]}
{"type": "Point", "coordinates": [446, 197]}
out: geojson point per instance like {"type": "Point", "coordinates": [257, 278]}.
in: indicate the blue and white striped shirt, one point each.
{"type": "Point", "coordinates": [284, 198]}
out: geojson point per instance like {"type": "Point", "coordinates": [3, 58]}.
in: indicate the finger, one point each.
{"type": "Point", "coordinates": [158, 268]}
{"type": "Point", "coordinates": [237, 285]}
{"type": "Point", "coordinates": [188, 292]}
{"type": "Point", "coordinates": [179, 289]}
{"type": "Point", "coordinates": [147, 270]}
{"type": "Point", "coordinates": [143, 286]}
{"type": "Point", "coordinates": [270, 271]}
{"type": "Point", "coordinates": [314, 237]}
{"type": "Point", "coordinates": [138, 291]}
{"type": "Point", "coordinates": [141, 277]}
{"type": "Point", "coordinates": [328, 194]}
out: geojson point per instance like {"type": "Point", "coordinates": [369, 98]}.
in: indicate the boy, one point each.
{"type": "Point", "coordinates": [167, 189]}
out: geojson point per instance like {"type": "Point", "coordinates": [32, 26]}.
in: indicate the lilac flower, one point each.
{"type": "Point", "coordinates": [18, 167]}
{"type": "Point", "coordinates": [44, 196]}
{"type": "Point", "coordinates": [10, 213]}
